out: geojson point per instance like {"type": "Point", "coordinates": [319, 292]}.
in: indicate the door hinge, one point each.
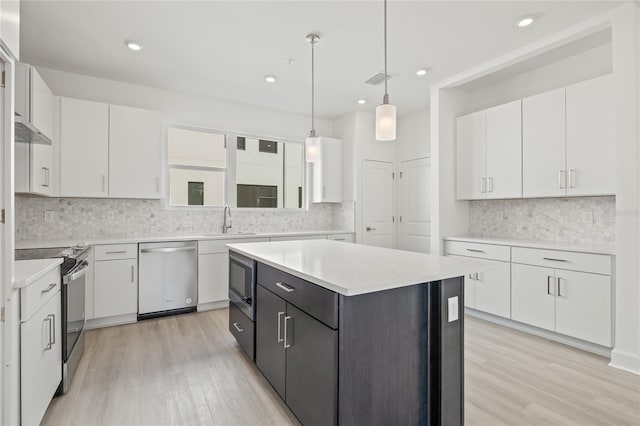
{"type": "Point", "coordinates": [2, 216]}
{"type": "Point", "coordinates": [400, 218]}
{"type": "Point", "coordinates": [400, 175]}
{"type": "Point", "coordinates": [393, 219]}
{"type": "Point", "coordinates": [393, 175]}
{"type": "Point", "coordinates": [3, 77]}
{"type": "Point", "coordinates": [2, 314]}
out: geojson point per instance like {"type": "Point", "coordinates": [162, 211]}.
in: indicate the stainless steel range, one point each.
{"type": "Point", "coordinates": [73, 269]}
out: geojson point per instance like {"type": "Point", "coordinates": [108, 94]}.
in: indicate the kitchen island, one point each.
{"type": "Point", "coordinates": [351, 334]}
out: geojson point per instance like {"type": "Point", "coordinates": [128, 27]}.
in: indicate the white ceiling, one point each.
{"type": "Point", "coordinates": [224, 49]}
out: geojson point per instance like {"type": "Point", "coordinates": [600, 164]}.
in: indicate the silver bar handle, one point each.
{"type": "Point", "coordinates": [237, 326]}
{"type": "Point", "coordinates": [477, 276]}
{"type": "Point", "coordinates": [285, 287]}
{"type": "Point", "coordinates": [554, 259]}
{"type": "Point", "coordinates": [167, 249]}
{"type": "Point", "coordinates": [280, 314]}
{"type": "Point", "coordinates": [572, 183]}
{"type": "Point", "coordinates": [286, 343]}
{"type": "Point", "coordinates": [490, 184]}
{"type": "Point", "coordinates": [549, 278]}
{"type": "Point", "coordinates": [133, 271]}
{"type": "Point", "coordinates": [49, 345]}
{"type": "Point", "coordinates": [475, 250]}
{"type": "Point", "coordinates": [45, 177]}
{"type": "Point", "coordinates": [116, 252]}
{"type": "Point", "coordinates": [75, 275]}
{"type": "Point", "coordinates": [471, 277]}
{"type": "Point", "coordinates": [562, 179]}
{"type": "Point", "coordinates": [53, 320]}
{"type": "Point", "coordinates": [483, 184]}
{"type": "Point", "coordinates": [559, 289]}
{"type": "Point", "coordinates": [48, 289]}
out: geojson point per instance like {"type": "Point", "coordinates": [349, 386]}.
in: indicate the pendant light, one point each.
{"type": "Point", "coordinates": [312, 143]}
{"type": "Point", "coordinates": [386, 112]}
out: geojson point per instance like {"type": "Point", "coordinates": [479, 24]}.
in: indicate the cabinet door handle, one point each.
{"type": "Point", "coordinates": [471, 277]}
{"type": "Point", "coordinates": [562, 179]}
{"type": "Point", "coordinates": [237, 326]}
{"type": "Point", "coordinates": [558, 284]}
{"type": "Point", "coordinates": [554, 259]}
{"type": "Point", "coordinates": [285, 287]}
{"type": "Point", "coordinates": [475, 250]}
{"type": "Point", "coordinates": [53, 327]}
{"type": "Point", "coordinates": [477, 276]}
{"type": "Point", "coordinates": [45, 177]}
{"type": "Point", "coordinates": [490, 184]}
{"type": "Point", "coordinates": [572, 173]}
{"type": "Point", "coordinates": [49, 345]}
{"type": "Point", "coordinates": [483, 184]}
{"type": "Point", "coordinates": [48, 289]}
{"type": "Point", "coordinates": [116, 252]}
{"type": "Point", "coordinates": [280, 314]}
{"type": "Point", "coordinates": [286, 340]}
{"type": "Point", "coordinates": [133, 271]}
{"type": "Point", "coordinates": [549, 286]}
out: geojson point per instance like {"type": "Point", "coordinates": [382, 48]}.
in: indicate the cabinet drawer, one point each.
{"type": "Point", "coordinates": [341, 237]}
{"type": "Point", "coordinates": [585, 262]}
{"type": "Point", "coordinates": [314, 300]}
{"type": "Point", "coordinates": [38, 293]}
{"type": "Point", "coordinates": [220, 246]}
{"type": "Point", "coordinates": [481, 251]}
{"type": "Point", "coordinates": [300, 237]}
{"type": "Point", "coordinates": [116, 251]}
{"type": "Point", "coordinates": [242, 329]}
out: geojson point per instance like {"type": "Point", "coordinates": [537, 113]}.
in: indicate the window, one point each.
{"type": "Point", "coordinates": [241, 144]}
{"type": "Point", "coordinates": [197, 167]}
{"type": "Point", "coordinates": [269, 173]}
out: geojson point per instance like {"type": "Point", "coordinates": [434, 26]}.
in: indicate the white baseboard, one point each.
{"type": "Point", "coordinates": [625, 361]}
{"type": "Point", "coordinates": [560, 338]}
{"type": "Point", "coordinates": [111, 321]}
{"type": "Point", "coordinates": [222, 304]}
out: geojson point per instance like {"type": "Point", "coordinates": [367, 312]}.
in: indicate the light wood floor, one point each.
{"type": "Point", "coordinates": [187, 370]}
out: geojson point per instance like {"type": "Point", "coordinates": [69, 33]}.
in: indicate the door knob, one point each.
{"type": "Point", "coordinates": [369, 229]}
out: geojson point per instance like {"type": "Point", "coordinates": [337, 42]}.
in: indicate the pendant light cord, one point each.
{"type": "Point", "coordinates": [313, 100]}
{"type": "Point", "coordinates": [386, 94]}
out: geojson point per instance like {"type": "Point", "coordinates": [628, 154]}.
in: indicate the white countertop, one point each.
{"type": "Point", "coordinates": [27, 272]}
{"type": "Point", "coordinates": [127, 239]}
{"type": "Point", "coordinates": [608, 249]}
{"type": "Point", "coordinates": [352, 269]}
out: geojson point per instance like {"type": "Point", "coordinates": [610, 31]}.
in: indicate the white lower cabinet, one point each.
{"type": "Point", "coordinates": [347, 238]}
{"type": "Point", "coordinates": [115, 280]}
{"type": "Point", "coordinates": [40, 359]}
{"type": "Point", "coordinates": [573, 303]}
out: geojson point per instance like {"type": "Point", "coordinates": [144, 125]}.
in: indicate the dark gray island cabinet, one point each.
{"type": "Point", "coordinates": [389, 356]}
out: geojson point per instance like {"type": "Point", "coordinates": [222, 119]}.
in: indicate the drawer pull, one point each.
{"type": "Point", "coordinates": [49, 345]}
{"type": "Point", "coordinates": [48, 289]}
{"type": "Point", "coordinates": [554, 260]}
{"type": "Point", "coordinates": [559, 290]}
{"type": "Point", "coordinates": [549, 278]}
{"type": "Point", "coordinates": [475, 250]}
{"type": "Point", "coordinates": [286, 288]}
{"type": "Point", "coordinates": [237, 326]}
{"type": "Point", "coordinates": [280, 314]}
{"type": "Point", "coordinates": [116, 252]}
{"type": "Point", "coordinates": [53, 320]}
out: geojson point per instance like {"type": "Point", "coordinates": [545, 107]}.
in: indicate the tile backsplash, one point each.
{"type": "Point", "coordinates": [584, 220]}
{"type": "Point", "coordinates": [78, 218]}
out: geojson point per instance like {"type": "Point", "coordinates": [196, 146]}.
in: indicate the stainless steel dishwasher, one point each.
{"type": "Point", "coordinates": [168, 278]}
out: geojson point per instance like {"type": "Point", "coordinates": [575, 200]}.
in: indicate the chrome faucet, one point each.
{"type": "Point", "coordinates": [226, 224]}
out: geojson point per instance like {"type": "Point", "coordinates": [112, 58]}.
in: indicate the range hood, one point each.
{"type": "Point", "coordinates": [25, 132]}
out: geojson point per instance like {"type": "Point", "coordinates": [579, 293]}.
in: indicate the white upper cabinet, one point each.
{"type": "Point", "coordinates": [504, 151]}
{"type": "Point", "coordinates": [33, 106]}
{"type": "Point", "coordinates": [327, 172]}
{"type": "Point", "coordinates": [135, 152]}
{"type": "Point", "coordinates": [10, 26]}
{"type": "Point", "coordinates": [84, 140]}
{"type": "Point", "coordinates": [590, 144]}
{"type": "Point", "coordinates": [489, 152]}
{"type": "Point", "coordinates": [471, 151]}
{"type": "Point", "coordinates": [543, 145]}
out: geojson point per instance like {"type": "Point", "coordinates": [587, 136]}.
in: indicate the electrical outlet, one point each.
{"type": "Point", "coordinates": [111, 214]}
{"type": "Point", "coordinates": [49, 216]}
{"type": "Point", "coordinates": [587, 217]}
{"type": "Point", "coordinates": [187, 224]}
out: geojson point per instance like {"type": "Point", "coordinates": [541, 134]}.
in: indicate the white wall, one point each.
{"type": "Point", "coordinates": [413, 135]}
{"type": "Point", "coordinates": [186, 108]}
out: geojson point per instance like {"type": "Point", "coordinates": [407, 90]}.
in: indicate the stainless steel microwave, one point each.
{"type": "Point", "coordinates": [242, 283]}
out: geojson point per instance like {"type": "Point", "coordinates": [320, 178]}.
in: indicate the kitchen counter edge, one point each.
{"type": "Point", "coordinates": [29, 271]}
{"type": "Point", "coordinates": [606, 249]}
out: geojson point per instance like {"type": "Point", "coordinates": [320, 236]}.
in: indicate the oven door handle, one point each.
{"type": "Point", "coordinates": [244, 262]}
{"type": "Point", "coordinates": [74, 276]}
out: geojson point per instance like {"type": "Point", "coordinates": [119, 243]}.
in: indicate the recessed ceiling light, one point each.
{"type": "Point", "coordinates": [524, 21]}
{"type": "Point", "coordinates": [362, 101]}
{"type": "Point", "coordinates": [133, 45]}
{"type": "Point", "coordinates": [422, 71]}
{"type": "Point", "coordinates": [270, 79]}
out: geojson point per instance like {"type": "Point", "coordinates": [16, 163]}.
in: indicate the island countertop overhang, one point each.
{"type": "Point", "coordinates": [354, 269]}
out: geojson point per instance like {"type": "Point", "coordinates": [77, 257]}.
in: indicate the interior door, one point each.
{"type": "Point", "coordinates": [378, 202]}
{"type": "Point", "coordinates": [312, 369]}
{"type": "Point", "coordinates": [270, 351]}
{"type": "Point", "coordinates": [415, 206]}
